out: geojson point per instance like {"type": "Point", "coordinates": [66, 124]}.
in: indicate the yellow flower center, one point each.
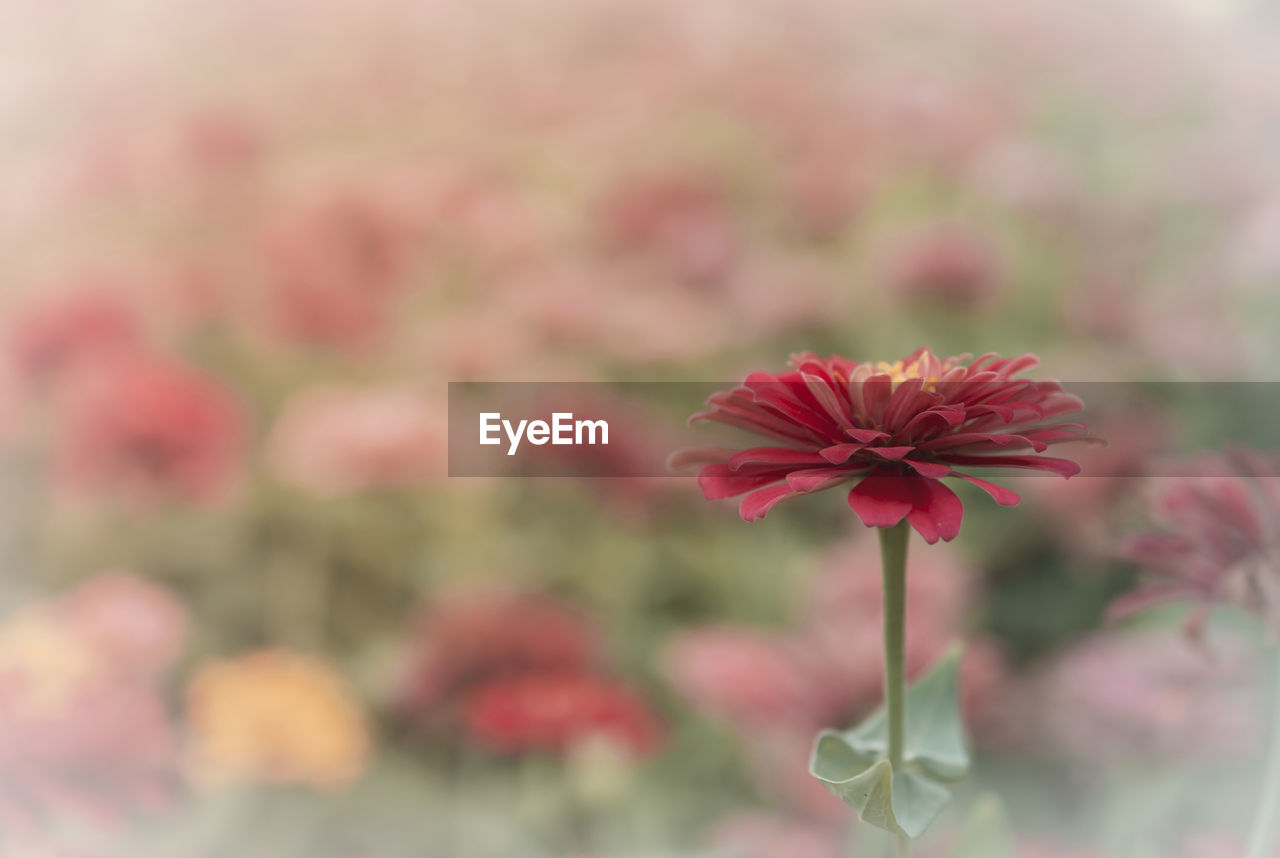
{"type": "Point", "coordinates": [926, 367]}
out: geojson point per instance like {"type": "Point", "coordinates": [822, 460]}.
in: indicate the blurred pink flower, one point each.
{"type": "Point", "coordinates": [950, 264]}
{"type": "Point", "coordinates": [1028, 176]}
{"type": "Point", "coordinates": [554, 711]}
{"type": "Point", "coordinates": [332, 266]}
{"type": "Point", "coordinates": [765, 835]}
{"type": "Point", "coordinates": [137, 626]}
{"type": "Point", "coordinates": [332, 441]}
{"type": "Point", "coordinates": [52, 335]}
{"type": "Point", "coordinates": [149, 426]}
{"type": "Point", "coordinates": [605, 311]}
{"type": "Point", "coordinates": [472, 637]}
{"type": "Point", "coordinates": [1144, 695]}
{"type": "Point", "coordinates": [830, 667]}
{"type": "Point", "coordinates": [681, 219]}
{"type": "Point", "coordinates": [78, 738]}
{"type": "Point", "coordinates": [750, 677]}
{"type": "Point", "coordinates": [775, 294]}
{"type": "Point", "coordinates": [1218, 540]}
{"type": "Point", "coordinates": [827, 181]}
{"type": "Point", "coordinates": [483, 222]}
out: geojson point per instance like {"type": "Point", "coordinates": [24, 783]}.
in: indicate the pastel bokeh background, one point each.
{"type": "Point", "coordinates": [245, 246]}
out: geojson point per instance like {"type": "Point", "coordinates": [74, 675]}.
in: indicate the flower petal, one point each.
{"type": "Point", "coordinates": [838, 454]}
{"type": "Point", "coordinates": [1064, 467]}
{"type": "Point", "coordinates": [717, 481]}
{"type": "Point", "coordinates": [866, 436]}
{"type": "Point", "coordinates": [759, 502]}
{"type": "Point", "coordinates": [936, 511]}
{"type": "Point", "coordinates": [933, 470]}
{"type": "Point", "coordinates": [881, 500]}
{"type": "Point", "coordinates": [1000, 494]}
{"type": "Point", "coordinates": [775, 456]}
{"type": "Point", "coordinates": [814, 479]}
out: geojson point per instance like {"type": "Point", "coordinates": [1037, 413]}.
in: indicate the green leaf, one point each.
{"type": "Point", "coordinates": [852, 764]}
{"type": "Point", "coordinates": [934, 738]}
{"type": "Point", "coordinates": [985, 833]}
{"type": "Point", "coordinates": [900, 802]}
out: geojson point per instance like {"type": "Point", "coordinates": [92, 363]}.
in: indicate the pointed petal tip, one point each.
{"type": "Point", "coordinates": [757, 504]}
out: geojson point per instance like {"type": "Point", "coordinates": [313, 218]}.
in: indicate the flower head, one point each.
{"type": "Point", "coordinates": [275, 716]}
{"type": "Point", "coordinates": [1217, 540]}
{"type": "Point", "coordinates": [152, 426]}
{"type": "Point", "coordinates": [79, 738]}
{"type": "Point", "coordinates": [139, 626]}
{"type": "Point", "coordinates": [681, 220]}
{"type": "Point", "coordinates": [897, 428]}
{"type": "Point", "coordinates": [945, 264]}
{"type": "Point", "coordinates": [55, 334]}
{"type": "Point", "coordinates": [331, 441]}
{"type": "Point", "coordinates": [474, 637]}
{"type": "Point", "coordinates": [556, 711]}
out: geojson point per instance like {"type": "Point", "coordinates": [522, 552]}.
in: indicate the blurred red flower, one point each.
{"type": "Point", "coordinates": [150, 425]}
{"type": "Point", "coordinates": [470, 638]}
{"type": "Point", "coordinates": [556, 711]}
{"type": "Point", "coordinates": [1218, 540]}
{"type": "Point", "coordinates": [55, 334]}
{"type": "Point", "coordinates": [897, 428]}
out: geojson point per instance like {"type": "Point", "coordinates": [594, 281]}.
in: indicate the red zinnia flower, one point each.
{"type": "Point", "coordinates": [554, 711]}
{"type": "Point", "coordinates": [1218, 542]}
{"type": "Point", "coordinates": [897, 428]}
{"type": "Point", "coordinates": [53, 335]}
{"type": "Point", "coordinates": [153, 426]}
{"type": "Point", "coordinates": [473, 638]}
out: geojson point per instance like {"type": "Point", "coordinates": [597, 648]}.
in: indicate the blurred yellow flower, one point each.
{"type": "Point", "coordinates": [276, 717]}
{"type": "Point", "coordinates": [43, 658]}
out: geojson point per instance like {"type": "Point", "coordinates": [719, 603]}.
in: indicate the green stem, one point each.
{"type": "Point", "coordinates": [893, 557]}
{"type": "Point", "coordinates": [1262, 842]}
